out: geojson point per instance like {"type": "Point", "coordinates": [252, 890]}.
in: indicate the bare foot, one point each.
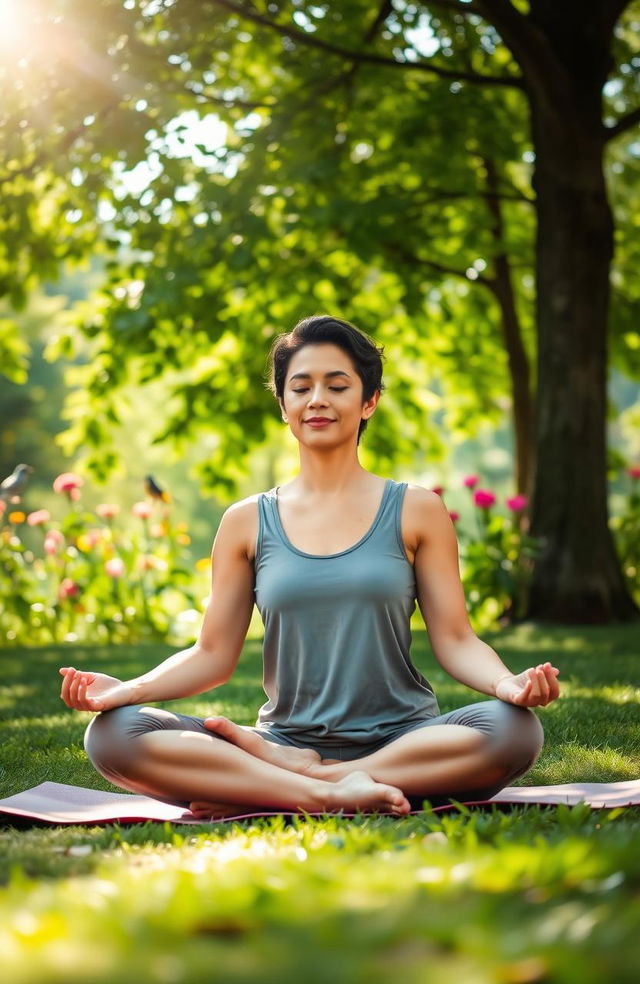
{"type": "Point", "coordinates": [358, 791]}
{"type": "Point", "coordinates": [299, 760]}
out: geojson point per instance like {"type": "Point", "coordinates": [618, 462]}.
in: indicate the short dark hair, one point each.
{"type": "Point", "coordinates": [321, 329]}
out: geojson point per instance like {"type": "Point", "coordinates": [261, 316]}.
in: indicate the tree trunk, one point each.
{"type": "Point", "coordinates": [577, 577]}
{"type": "Point", "coordinates": [519, 370]}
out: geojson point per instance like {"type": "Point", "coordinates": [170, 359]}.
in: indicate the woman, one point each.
{"type": "Point", "coordinates": [335, 561]}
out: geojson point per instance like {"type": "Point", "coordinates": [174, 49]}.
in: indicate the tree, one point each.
{"type": "Point", "coordinates": [305, 196]}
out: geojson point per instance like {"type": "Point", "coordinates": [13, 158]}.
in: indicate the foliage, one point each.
{"type": "Point", "coordinates": [626, 529]}
{"type": "Point", "coordinates": [530, 894]}
{"type": "Point", "coordinates": [239, 175]}
{"type": "Point", "coordinates": [94, 581]}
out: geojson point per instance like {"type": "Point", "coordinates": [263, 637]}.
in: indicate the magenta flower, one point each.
{"type": "Point", "coordinates": [438, 489]}
{"type": "Point", "coordinates": [517, 503]}
{"type": "Point", "coordinates": [455, 516]}
{"type": "Point", "coordinates": [38, 517]}
{"type": "Point", "coordinates": [107, 510]}
{"type": "Point", "coordinates": [142, 510]}
{"type": "Point", "coordinates": [115, 567]}
{"type": "Point", "coordinates": [483, 498]}
{"type": "Point", "coordinates": [68, 483]}
{"type": "Point", "coordinates": [470, 481]}
{"type": "Point", "coordinates": [634, 471]}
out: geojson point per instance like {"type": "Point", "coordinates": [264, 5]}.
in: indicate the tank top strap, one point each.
{"type": "Point", "coordinates": [268, 525]}
{"type": "Point", "coordinates": [390, 520]}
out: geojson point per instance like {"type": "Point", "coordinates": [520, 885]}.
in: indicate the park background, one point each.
{"type": "Point", "coordinates": [180, 182]}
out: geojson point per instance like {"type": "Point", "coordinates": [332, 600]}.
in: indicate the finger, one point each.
{"type": "Point", "coordinates": [66, 685]}
{"type": "Point", "coordinates": [552, 679]}
{"type": "Point", "coordinates": [543, 685]}
{"type": "Point", "coordinates": [523, 698]}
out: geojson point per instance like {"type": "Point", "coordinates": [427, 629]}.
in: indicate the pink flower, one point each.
{"type": "Point", "coordinates": [3, 506]}
{"type": "Point", "coordinates": [517, 503]}
{"type": "Point", "coordinates": [38, 517]}
{"type": "Point", "coordinates": [53, 541]}
{"type": "Point", "coordinates": [470, 481]}
{"type": "Point", "coordinates": [115, 567]}
{"type": "Point", "coordinates": [438, 489]}
{"type": "Point", "coordinates": [455, 516]}
{"type": "Point", "coordinates": [483, 498]}
{"type": "Point", "coordinates": [68, 588]}
{"type": "Point", "coordinates": [142, 510]}
{"type": "Point", "coordinates": [68, 482]}
{"type": "Point", "coordinates": [107, 510]}
{"type": "Point", "coordinates": [634, 471]}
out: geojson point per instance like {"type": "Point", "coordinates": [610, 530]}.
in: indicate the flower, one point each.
{"type": "Point", "coordinates": [70, 483]}
{"type": "Point", "coordinates": [38, 517]}
{"type": "Point", "coordinates": [115, 567]}
{"type": "Point", "coordinates": [52, 541]}
{"type": "Point", "coordinates": [455, 516]}
{"type": "Point", "coordinates": [3, 506]}
{"type": "Point", "coordinates": [158, 529]}
{"type": "Point", "coordinates": [142, 510]}
{"type": "Point", "coordinates": [16, 516]}
{"type": "Point", "coordinates": [517, 503]}
{"type": "Point", "coordinates": [107, 510]}
{"type": "Point", "coordinates": [483, 498]}
{"type": "Point", "coordinates": [470, 481]}
{"type": "Point", "coordinates": [68, 588]}
{"type": "Point", "coordinates": [438, 489]}
{"type": "Point", "coordinates": [634, 471]}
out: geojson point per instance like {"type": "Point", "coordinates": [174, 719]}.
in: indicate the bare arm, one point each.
{"type": "Point", "coordinates": [441, 599]}
{"type": "Point", "coordinates": [213, 657]}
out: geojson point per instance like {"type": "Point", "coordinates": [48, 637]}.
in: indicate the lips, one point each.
{"type": "Point", "coordinates": [318, 421]}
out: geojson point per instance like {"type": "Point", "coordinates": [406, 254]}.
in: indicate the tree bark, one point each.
{"type": "Point", "coordinates": [519, 369]}
{"type": "Point", "coordinates": [577, 577]}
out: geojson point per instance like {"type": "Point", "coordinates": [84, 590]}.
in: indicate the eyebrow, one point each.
{"type": "Point", "coordinates": [327, 375]}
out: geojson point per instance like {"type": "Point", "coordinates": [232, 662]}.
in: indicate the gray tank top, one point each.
{"type": "Point", "coordinates": [337, 668]}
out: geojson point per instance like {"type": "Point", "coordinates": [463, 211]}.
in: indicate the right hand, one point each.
{"type": "Point", "coordinates": [86, 691]}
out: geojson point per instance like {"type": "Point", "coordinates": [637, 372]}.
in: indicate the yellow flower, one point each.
{"type": "Point", "coordinates": [183, 539]}
{"type": "Point", "coordinates": [203, 564]}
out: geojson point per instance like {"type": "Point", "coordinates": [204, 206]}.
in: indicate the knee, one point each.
{"type": "Point", "coordinates": [108, 740]}
{"type": "Point", "coordinates": [517, 739]}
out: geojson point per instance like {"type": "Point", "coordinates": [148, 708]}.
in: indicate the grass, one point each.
{"type": "Point", "coordinates": [528, 895]}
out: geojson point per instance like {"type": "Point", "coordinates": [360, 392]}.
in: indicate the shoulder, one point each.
{"type": "Point", "coordinates": [239, 525]}
{"type": "Point", "coordinates": [424, 513]}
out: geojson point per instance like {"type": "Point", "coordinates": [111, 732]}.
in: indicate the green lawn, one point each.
{"type": "Point", "coordinates": [530, 895]}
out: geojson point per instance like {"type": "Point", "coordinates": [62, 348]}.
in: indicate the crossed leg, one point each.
{"type": "Point", "coordinates": [174, 758]}
{"type": "Point", "coordinates": [470, 753]}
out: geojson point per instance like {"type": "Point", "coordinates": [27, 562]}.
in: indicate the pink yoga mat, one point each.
{"type": "Point", "coordinates": [54, 802]}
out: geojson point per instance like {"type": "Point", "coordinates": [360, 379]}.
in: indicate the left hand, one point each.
{"type": "Point", "coordinates": [535, 687]}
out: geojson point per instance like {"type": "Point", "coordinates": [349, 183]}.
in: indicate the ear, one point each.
{"type": "Point", "coordinates": [283, 412]}
{"type": "Point", "coordinates": [369, 408]}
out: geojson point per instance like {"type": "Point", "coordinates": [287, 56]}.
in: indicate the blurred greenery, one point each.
{"type": "Point", "coordinates": [531, 894]}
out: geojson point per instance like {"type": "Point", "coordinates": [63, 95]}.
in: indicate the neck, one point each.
{"type": "Point", "coordinates": [332, 471]}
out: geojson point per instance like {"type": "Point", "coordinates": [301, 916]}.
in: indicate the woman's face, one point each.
{"type": "Point", "coordinates": [323, 402]}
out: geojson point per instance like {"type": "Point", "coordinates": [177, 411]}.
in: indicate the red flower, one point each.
{"type": "Point", "coordinates": [455, 516]}
{"type": "Point", "coordinates": [68, 588]}
{"type": "Point", "coordinates": [438, 489]}
{"type": "Point", "coordinates": [634, 471]}
{"type": "Point", "coordinates": [483, 498]}
{"type": "Point", "coordinates": [470, 481]}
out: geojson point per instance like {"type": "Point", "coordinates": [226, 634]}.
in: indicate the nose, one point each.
{"type": "Point", "coordinates": [317, 397]}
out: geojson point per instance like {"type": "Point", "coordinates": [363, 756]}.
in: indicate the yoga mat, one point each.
{"type": "Point", "coordinates": [57, 803]}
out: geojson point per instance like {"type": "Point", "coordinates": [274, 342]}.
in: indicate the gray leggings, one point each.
{"type": "Point", "coordinates": [513, 735]}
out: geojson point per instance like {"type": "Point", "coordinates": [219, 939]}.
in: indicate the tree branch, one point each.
{"type": "Point", "coordinates": [366, 57]}
{"type": "Point", "coordinates": [407, 257]}
{"type": "Point", "coordinates": [455, 7]}
{"type": "Point", "coordinates": [623, 124]}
